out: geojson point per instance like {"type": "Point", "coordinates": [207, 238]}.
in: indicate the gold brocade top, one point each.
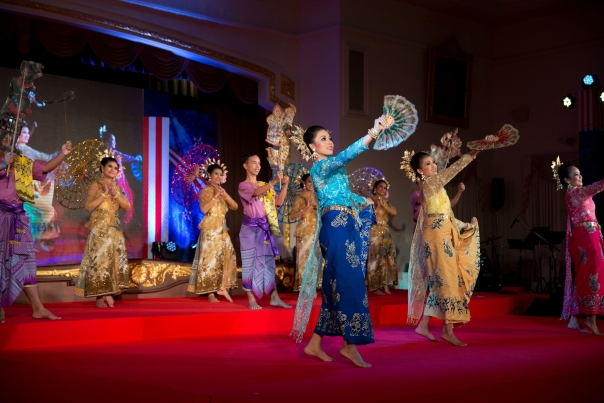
{"type": "Point", "coordinates": [434, 197]}
{"type": "Point", "coordinates": [381, 217]}
{"type": "Point", "coordinates": [308, 222]}
{"type": "Point", "coordinates": [105, 215]}
{"type": "Point", "coordinates": [214, 218]}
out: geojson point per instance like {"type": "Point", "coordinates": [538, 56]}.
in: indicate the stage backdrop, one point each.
{"type": "Point", "coordinates": [59, 233]}
{"type": "Point", "coordinates": [166, 141]}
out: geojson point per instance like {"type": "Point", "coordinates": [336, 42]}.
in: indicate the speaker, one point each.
{"type": "Point", "coordinates": [497, 193]}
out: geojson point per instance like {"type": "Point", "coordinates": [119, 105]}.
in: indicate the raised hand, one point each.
{"type": "Point", "coordinates": [285, 180]}
{"type": "Point", "coordinates": [461, 187]}
{"type": "Point", "coordinates": [9, 158]}
{"type": "Point", "coordinates": [66, 149]}
{"type": "Point", "coordinates": [217, 191]}
{"type": "Point", "coordinates": [223, 193]}
{"type": "Point", "coordinates": [105, 188]}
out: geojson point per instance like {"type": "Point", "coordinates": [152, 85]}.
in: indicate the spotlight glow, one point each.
{"type": "Point", "coordinates": [567, 102]}
{"type": "Point", "coordinates": [602, 96]}
{"type": "Point", "coordinates": [588, 79]}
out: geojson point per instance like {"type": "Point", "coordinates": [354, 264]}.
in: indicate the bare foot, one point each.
{"type": "Point", "coordinates": [277, 301]}
{"type": "Point", "coordinates": [100, 302]}
{"type": "Point", "coordinates": [378, 292]}
{"type": "Point", "coordinates": [426, 333]}
{"type": "Point", "coordinates": [252, 301]}
{"type": "Point", "coordinates": [318, 352]}
{"type": "Point", "coordinates": [110, 301]}
{"type": "Point", "coordinates": [593, 327]}
{"type": "Point", "coordinates": [452, 339]}
{"type": "Point", "coordinates": [2, 317]}
{"type": "Point", "coordinates": [353, 355]}
{"type": "Point", "coordinates": [225, 294]}
{"type": "Point", "coordinates": [212, 298]}
{"type": "Point", "coordinates": [574, 324]}
{"type": "Point", "coordinates": [43, 313]}
{"type": "Point", "coordinates": [387, 290]}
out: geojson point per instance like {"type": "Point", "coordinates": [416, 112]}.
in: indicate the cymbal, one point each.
{"type": "Point", "coordinates": [490, 239]}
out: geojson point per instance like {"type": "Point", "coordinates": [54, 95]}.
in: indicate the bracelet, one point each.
{"type": "Point", "coordinates": [104, 195]}
{"type": "Point", "coordinates": [373, 133]}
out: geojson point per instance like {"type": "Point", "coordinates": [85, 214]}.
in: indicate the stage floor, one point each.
{"type": "Point", "coordinates": [509, 357]}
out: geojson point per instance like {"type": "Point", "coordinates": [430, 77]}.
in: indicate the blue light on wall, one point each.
{"type": "Point", "coordinates": [588, 79]}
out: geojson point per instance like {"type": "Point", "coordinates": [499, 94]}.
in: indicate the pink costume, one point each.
{"type": "Point", "coordinates": [584, 296]}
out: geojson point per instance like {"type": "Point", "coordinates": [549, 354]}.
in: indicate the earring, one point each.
{"type": "Point", "coordinates": [568, 186]}
{"type": "Point", "coordinates": [423, 177]}
{"type": "Point", "coordinates": [314, 155]}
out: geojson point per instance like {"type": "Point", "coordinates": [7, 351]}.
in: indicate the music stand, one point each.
{"type": "Point", "coordinates": [520, 245]}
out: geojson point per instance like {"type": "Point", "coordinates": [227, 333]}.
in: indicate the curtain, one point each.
{"type": "Point", "coordinates": [66, 41]}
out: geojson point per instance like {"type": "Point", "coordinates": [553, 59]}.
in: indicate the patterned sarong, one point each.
{"type": "Point", "coordinates": [258, 253]}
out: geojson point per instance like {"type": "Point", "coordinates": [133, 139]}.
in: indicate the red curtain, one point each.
{"type": "Point", "coordinates": [65, 41]}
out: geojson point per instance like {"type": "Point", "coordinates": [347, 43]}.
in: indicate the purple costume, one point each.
{"type": "Point", "coordinates": [17, 255]}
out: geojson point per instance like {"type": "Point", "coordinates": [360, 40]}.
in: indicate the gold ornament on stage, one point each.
{"type": "Point", "coordinates": [555, 166]}
{"type": "Point", "coordinates": [406, 165]}
{"type": "Point", "coordinates": [80, 169]}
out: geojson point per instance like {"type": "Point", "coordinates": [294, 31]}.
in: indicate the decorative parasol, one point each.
{"type": "Point", "coordinates": [295, 172]}
{"type": "Point", "coordinates": [183, 192]}
{"type": "Point", "coordinates": [506, 136]}
{"type": "Point", "coordinates": [80, 169]}
{"type": "Point", "coordinates": [361, 181]}
{"type": "Point", "coordinates": [401, 122]}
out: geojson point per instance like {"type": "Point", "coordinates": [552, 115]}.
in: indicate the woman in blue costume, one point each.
{"type": "Point", "coordinates": [343, 235]}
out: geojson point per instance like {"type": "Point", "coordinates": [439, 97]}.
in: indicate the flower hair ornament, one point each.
{"type": "Point", "coordinates": [297, 137]}
{"type": "Point", "coordinates": [203, 168]}
{"type": "Point", "coordinates": [406, 165]}
{"type": "Point", "coordinates": [555, 166]}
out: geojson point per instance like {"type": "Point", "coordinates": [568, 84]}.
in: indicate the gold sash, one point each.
{"type": "Point", "coordinates": [24, 180]}
{"type": "Point", "coordinates": [271, 210]}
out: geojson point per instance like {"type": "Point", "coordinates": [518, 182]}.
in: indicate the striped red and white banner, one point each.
{"type": "Point", "coordinates": [590, 111]}
{"type": "Point", "coordinates": [156, 181]}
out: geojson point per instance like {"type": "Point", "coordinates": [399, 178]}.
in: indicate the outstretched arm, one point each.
{"type": "Point", "coordinates": [56, 161]}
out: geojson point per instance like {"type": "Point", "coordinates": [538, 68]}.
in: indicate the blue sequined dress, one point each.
{"type": "Point", "coordinates": [343, 238]}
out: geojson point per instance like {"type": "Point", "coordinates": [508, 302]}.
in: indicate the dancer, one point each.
{"type": "Point", "coordinates": [258, 249]}
{"type": "Point", "coordinates": [305, 209]}
{"type": "Point", "coordinates": [583, 290]}
{"type": "Point", "coordinates": [122, 181]}
{"type": "Point", "coordinates": [381, 262]}
{"type": "Point", "coordinates": [444, 251]}
{"type": "Point", "coordinates": [416, 198]}
{"type": "Point", "coordinates": [344, 241]}
{"type": "Point", "coordinates": [17, 255]}
{"type": "Point", "coordinates": [42, 215]}
{"type": "Point", "coordinates": [214, 268]}
{"type": "Point", "coordinates": [104, 270]}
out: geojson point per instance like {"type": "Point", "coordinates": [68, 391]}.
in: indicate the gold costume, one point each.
{"type": "Point", "coordinates": [214, 266]}
{"type": "Point", "coordinates": [381, 262]}
{"type": "Point", "coordinates": [305, 232]}
{"type": "Point", "coordinates": [443, 257]}
{"type": "Point", "coordinates": [104, 269]}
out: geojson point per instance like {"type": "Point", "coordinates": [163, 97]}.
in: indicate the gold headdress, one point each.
{"type": "Point", "coordinates": [555, 165]}
{"type": "Point", "coordinates": [108, 154]}
{"type": "Point", "coordinates": [211, 161]}
{"type": "Point", "coordinates": [406, 165]}
{"type": "Point", "coordinates": [372, 183]}
{"type": "Point", "coordinates": [297, 137]}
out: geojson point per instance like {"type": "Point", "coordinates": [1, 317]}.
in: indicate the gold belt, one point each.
{"type": "Point", "coordinates": [214, 215]}
{"type": "Point", "coordinates": [382, 222]}
{"type": "Point", "coordinates": [340, 208]}
{"type": "Point", "coordinates": [588, 224]}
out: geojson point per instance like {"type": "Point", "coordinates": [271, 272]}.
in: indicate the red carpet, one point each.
{"type": "Point", "coordinates": [509, 358]}
{"type": "Point", "coordinates": [177, 318]}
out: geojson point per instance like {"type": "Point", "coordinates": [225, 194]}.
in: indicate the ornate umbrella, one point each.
{"type": "Point", "coordinates": [80, 169]}
{"type": "Point", "coordinates": [294, 172]}
{"type": "Point", "coordinates": [184, 192]}
{"type": "Point", "coordinates": [361, 181]}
